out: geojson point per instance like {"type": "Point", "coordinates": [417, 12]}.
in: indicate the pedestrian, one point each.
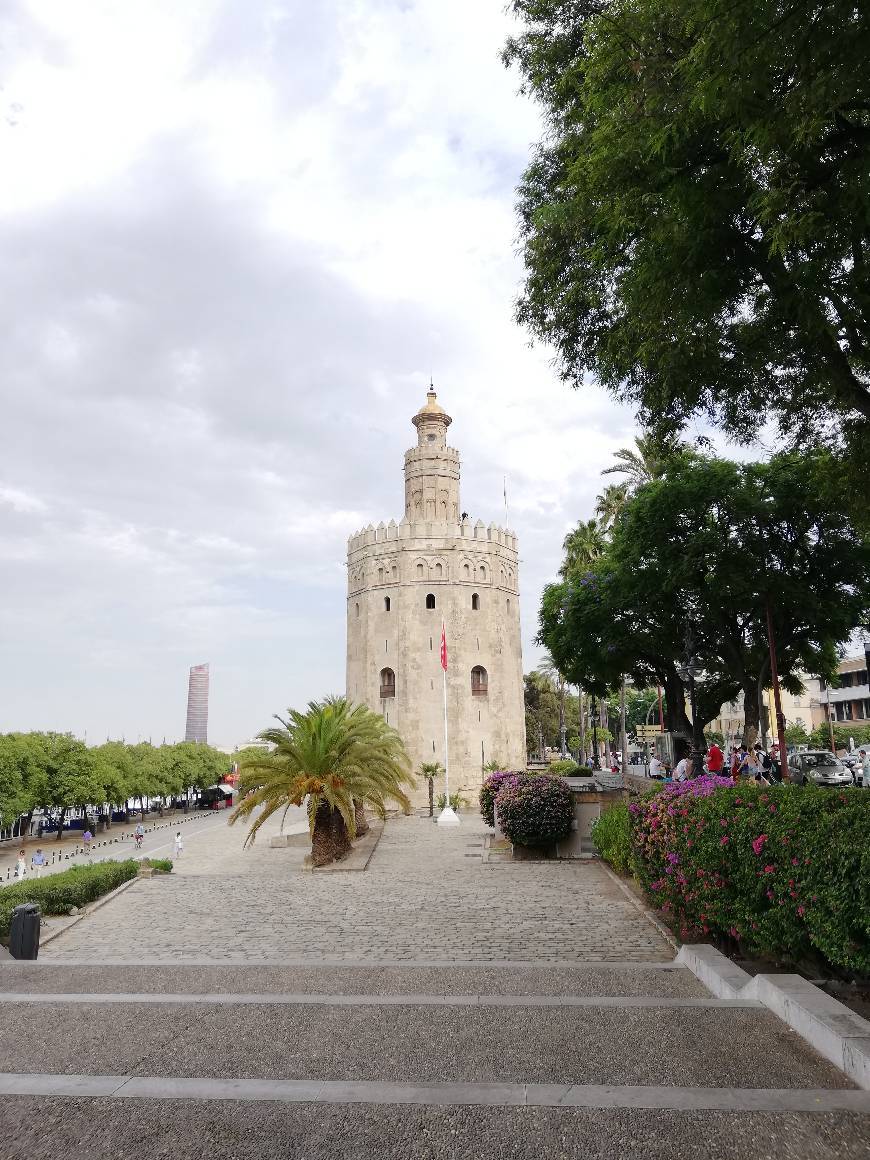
{"type": "Point", "coordinates": [865, 769]}
{"type": "Point", "coordinates": [87, 838]}
{"type": "Point", "coordinates": [20, 865]}
{"type": "Point", "coordinates": [683, 770]}
{"type": "Point", "coordinates": [656, 767]}
{"type": "Point", "coordinates": [179, 845]}
{"type": "Point", "coordinates": [715, 759]}
{"type": "Point", "coordinates": [37, 862]}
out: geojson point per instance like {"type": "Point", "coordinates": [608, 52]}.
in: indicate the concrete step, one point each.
{"type": "Point", "coordinates": [445, 1040]}
{"type": "Point", "coordinates": [148, 1129]}
{"type": "Point", "coordinates": [665, 981]}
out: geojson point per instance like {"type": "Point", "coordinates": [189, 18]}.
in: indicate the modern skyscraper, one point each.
{"type": "Point", "coordinates": [197, 704]}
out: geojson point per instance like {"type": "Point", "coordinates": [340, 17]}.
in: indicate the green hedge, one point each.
{"type": "Point", "coordinates": [611, 834]}
{"type": "Point", "coordinates": [566, 768]}
{"type": "Point", "coordinates": [785, 870]}
{"type": "Point", "coordinates": [164, 864]}
{"type": "Point", "coordinates": [59, 893]}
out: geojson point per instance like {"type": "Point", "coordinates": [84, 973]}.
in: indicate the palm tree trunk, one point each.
{"type": "Point", "coordinates": [322, 843]}
{"type": "Point", "coordinates": [582, 704]}
{"type": "Point", "coordinates": [340, 837]}
{"type": "Point", "coordinates": [431, 797]}
{"type": "Point", "coordinates": [362, 822]}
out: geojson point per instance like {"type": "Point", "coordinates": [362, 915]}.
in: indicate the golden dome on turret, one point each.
{"type": "Point", "coordinates": [432, 410]}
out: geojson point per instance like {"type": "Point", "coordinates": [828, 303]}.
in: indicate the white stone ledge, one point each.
{"type": "Point", "coordinates": [829, 1026]}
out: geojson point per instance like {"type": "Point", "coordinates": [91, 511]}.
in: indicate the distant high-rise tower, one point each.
{"type": "Point", "coordinates": [197, 705]}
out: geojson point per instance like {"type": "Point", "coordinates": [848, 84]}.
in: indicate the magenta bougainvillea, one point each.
{"type": "Point", "coordinates": [785, 869]}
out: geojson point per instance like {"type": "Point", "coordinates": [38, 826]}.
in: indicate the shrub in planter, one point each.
{"type": "Point", "coordinates": [783, 869]}
{"type": "Point", "coordinates": [59, 893]}
{"type": "Point", "coordinates": [490, 788]}
{"type": "Point", "coordinates": [535, 811]}
{"type": "Point", "coordinates": [161, 865]}
{"type": "Point", "coordinates": [611, 833]}
{"type": "Point", "coordinates": [583, 771]}
{"type": "Point", "coordinates": [565, 768]}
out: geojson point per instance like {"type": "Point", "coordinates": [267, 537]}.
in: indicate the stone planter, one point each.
{"type": "Point", "coordinates": [591, 799]}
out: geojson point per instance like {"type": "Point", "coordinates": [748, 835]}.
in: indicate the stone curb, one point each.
{"type": "Point", "coordinates": [638, 905]}
{"type": "Point", "coordinates": [826, 1024]}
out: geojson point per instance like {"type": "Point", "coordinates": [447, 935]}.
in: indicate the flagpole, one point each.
{"type": "Point", "coordinates": [448, 816]}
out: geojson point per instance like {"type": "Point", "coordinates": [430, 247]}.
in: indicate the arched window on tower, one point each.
{"type": "Point", "coordinates": [380, 575]}
{"type": "Point", "coordinates": [357, 610]}
{"type": "Point", "coordinates": [430, 600]}
{"type": "Point", "coordinates": [509, 604]}
{"type": "Point", "coordinates": [439, 571]}
{"type": "Point", "coordinates": [388, 684]}
{"type": "Point", "coordinates": [386, 604]}
{"type": "Point", "coordinates": [479, 681]}
{"type": "Point", "coordinates": [482, 572]}
{"type": "Point", "coordinates": [475, 602]}
{"type": "Point", "coordinates": [466, 571]}
{"type": "Point", "coordinates": [419, 571]}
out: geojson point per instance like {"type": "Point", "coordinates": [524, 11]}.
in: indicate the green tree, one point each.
{"type": "Point", "coordinates": [740, 537]}
{"type": "Point", "coordinates": [582, 546]}
{"type": "Point", "coordinates": [610, 503]}
{"type": "Point", "coordinates": [14, 799]}
{"type": "Point", "coordinates": [796, 733]}
{"type": "Point", "coordinates": [548, 668]}
{"type": "Point", "coordinates": [334, 754]}
{"type": "Point", "coordinates": [694, 220]}
{"type": "Point", "coordinates": [646, 462]}
{"type": "Point", "coordinates": [542, 712]}
{"type": "Point", "coordinates": [72, 776]}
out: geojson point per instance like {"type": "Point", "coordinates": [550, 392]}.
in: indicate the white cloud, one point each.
{"type": "Point", "coordinates": [237, 239]}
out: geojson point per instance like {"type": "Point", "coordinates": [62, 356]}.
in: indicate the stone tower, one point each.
{"type": "Point", "coordinates": [403, 580]}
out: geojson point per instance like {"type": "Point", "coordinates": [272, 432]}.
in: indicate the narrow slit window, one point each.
{"type": "Point", "coordinates": [386, 604]}
{"type": "Point", "coordinates": [475, 602]}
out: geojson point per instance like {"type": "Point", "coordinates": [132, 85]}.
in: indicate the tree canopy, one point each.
{"type": "Point", "coordinates": [696, 218]}
{"type": "Point", "coordinates": [693, 561]}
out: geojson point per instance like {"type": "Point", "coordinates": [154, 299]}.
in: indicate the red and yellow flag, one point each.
{"type": "Point", "coordinates": [443, 647]}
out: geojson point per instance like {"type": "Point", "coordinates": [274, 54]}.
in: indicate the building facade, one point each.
{"type": "Point", "coordinates": [197, 704]}
{"type": "Point", "coordinates": [849, 700]}
{"type": "Point", "coordinates": [404, 581]}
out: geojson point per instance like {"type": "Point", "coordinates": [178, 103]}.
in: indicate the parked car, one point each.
{"type": "Point", "coordinates": [818, 767]}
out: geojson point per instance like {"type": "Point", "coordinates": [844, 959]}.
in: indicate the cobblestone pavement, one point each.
{"type": "Point", "coordinates": [425, 896]}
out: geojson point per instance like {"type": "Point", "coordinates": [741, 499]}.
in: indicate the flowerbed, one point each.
{"type": "Point", "coordinates": [535, 811]}
{"type": "Point", "coordinates": [785, 869]}
{"type": "Point", "coordinates": [59, 893]}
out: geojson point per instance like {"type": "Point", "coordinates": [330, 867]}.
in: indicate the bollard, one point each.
{"type": "Point", "coordinates": [24, 931]}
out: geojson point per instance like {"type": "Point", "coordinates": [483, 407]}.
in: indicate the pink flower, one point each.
{"type": "Point", "coordinates": [769, 869]}
{"type": "Point", "coordinates": [773, 809]}
{"type": "Point", "coordinates": [723, 841]}
{"type": "Point", "coordinates": [795, 861]}
{"type": "Point", "coordinates": [800, 911]}
{"type": "Point", "coordinates": [758, 843]}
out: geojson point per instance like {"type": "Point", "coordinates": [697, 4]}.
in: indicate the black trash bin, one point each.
{"type": "Point", "coordinates": [24, 931]}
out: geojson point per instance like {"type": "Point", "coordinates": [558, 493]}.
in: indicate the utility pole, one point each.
{"type": "Point", "coordinates": [596, 759]}
{"type": "Point", "coordinates": [581, 696]}
{"type": "Point", "coordinates": [623, 740]}
{"type": "Point", "coordinates": [777, 699]}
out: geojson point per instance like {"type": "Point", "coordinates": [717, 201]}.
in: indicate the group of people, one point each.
{"type": "Point", "coordinates": [743, 762]}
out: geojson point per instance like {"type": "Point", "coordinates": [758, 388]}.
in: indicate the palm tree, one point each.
{"type": "Point", "coordinates": [582, 547]}
{"type": "Point", "coordinates": [647, 461]}
{"type": "Point", "coordinates": [549, 669]}
{"type": "Point", "coordinates": [339, 757]}
{"type": "Point", "coordinates": [430, 770]}
{"type": "Point", "coordinates": [610, 503]}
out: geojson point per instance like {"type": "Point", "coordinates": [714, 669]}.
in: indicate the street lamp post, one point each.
{"type": "Point", "coordinates": [596, 760]}
{"type": "Point", "coordinates": [687, 673]}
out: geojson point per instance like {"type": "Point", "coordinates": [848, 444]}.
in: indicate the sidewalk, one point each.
{"type": "Point", "coordinates": [116, 842]}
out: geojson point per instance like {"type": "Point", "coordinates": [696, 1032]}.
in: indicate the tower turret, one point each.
{"type": "Point", "coordinates": [432, 468]}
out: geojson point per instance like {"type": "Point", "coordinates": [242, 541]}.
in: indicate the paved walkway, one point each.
{"type": "Point", "coordinates": [432, 1007]}
{"type": "Point", "coordinates": [426, 896]}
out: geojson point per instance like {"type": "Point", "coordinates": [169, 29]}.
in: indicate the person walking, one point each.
{"type": "Point", "coordinates": [87, 838]}
{"type": "Point", "coordinates": [20, 865]}
{"type": "Point", "coordinates": [37, 863]}
{"type": "Point", "coordinates": [179, 845]}
{"type": "Point", "coordinates": [865, 769]}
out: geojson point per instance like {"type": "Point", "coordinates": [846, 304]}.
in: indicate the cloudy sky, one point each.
{"type": "Point", "coordinates": [236, 239]}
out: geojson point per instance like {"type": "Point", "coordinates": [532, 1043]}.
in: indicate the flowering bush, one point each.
{"type": "Point", "coordinates": [535, 811]}
{"type": "Point", "coordinates": [490, 788]}
{"type": "Point", "coordinates": [784, 869]}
